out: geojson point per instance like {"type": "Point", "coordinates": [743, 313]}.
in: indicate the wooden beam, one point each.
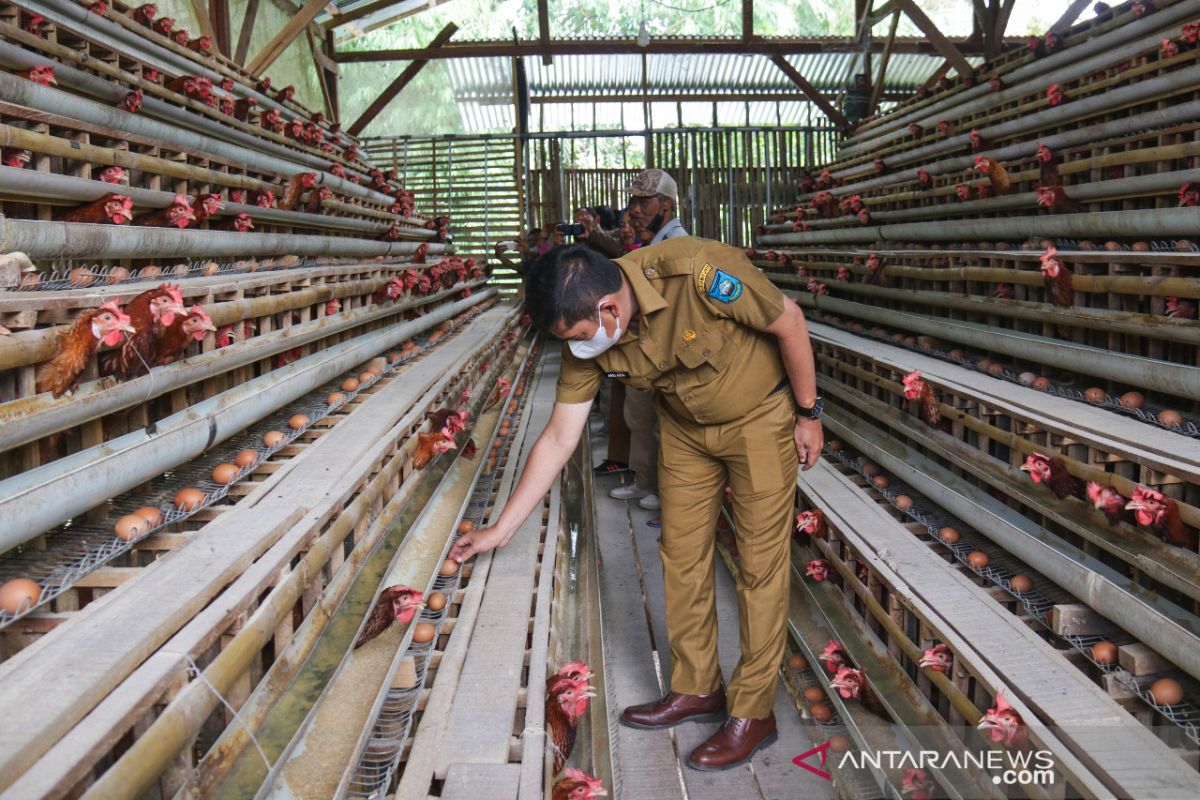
{"type": "Point", "coordinates": [1002, 22]}
{"type": "Point", "coordinates": [248, 20]}
{"type": "Point", "coordinates": [878, 15]}
{"type": "Point", "coordinates": [274, 48]}
{"type": "Point", "coordinates": [672, 97]}
{"type": "Point", "coordinates": [877, 89]}
{"type": "Point", "coordinates": [322, 73]}
{"type": "Point", "coordinates": [811, 92]}
{"type": "Point", "coordinates": [936, 38]}
{"type": "Point", "coordinates": [218, 11]}
{"type": "Point", "coordinates": [766, 47]}
{"type": "Point", "coordinates": [335, 76]}
{"type": "Point", "coordinates": [351, 15]}
{"type": "Point", "coordinates": [937, 75]}
{"type": "Point", "coordinates": [1070, 15]}
{"type": "Point", "coordinates": [747, 20]}
{"type": "Point", "coordinates": [200, 7]}
{"type": "Point", "coordinates": [402, 80]}
{"type": "Point", "coordinates": [543, 11]}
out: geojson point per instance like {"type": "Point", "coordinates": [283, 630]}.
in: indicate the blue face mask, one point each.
{"type": "Point", "coordinates": [599, 342]}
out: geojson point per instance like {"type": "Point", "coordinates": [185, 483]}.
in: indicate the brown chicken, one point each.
{"type": "Point", "coordinates": [77, 344]}
{"type": "Point", "coordinates": [1002, 723]}
{"type": "Point", "coordinates": [852, 683]}
{"type": "Point", "coordinates": [178, 214]}
{"type": "Point", "coordinates": [241, 223]}
{"type": "Point", "coordinates": [297, 186]}
{"type": "Point", "coordinates": [180, 333]}
{"type": "Point", "coordinates": [150, 313]}
{"type": "Point", "coordinates": [429, 446]}
{"type": "Point", "coordinates": [917, 389]}
{"type": "Point", "coordinates": [812, 522]}
{"type": "Point", "coordinates": [448, 421]}
{"type": "Point", "coordinates": [113, 208]}
{"type": "Point", "coordinates": [1048, 166]}
{"type": "Point", "coordinates": [1055, 198]}
{"type": "Point", "coordinates": [391, 290]}
{"type": "Point", "coordinates": [917, 785]}
{"type": "Point", "coordinates": [145, 14]}
{"type": "Point", "coordinates": [997, 175]}
{"type": "Point", "coordinates": [394, 603]}
{"type": "Point", "coordinates": [1160, 513]}
{"type": "Point", "coordinates": [1057, 279]}
{"type": "Point", "coordinates": [577, 785]}
{"type": "Point", "coordinates": [937, 658]}
{"type": "Point", "coordinates": [499, 393]}
{"type": "Point", "coordinates": [1107, 500]}
{"type": "Point", "coordinates": [834, 657]}
{"type": "Point", "coordinates": [1053, 472]}
{"type": "Point", "coordinates": [43, 75]}
{"type": "Point", "coordinates": [566, 702]}
{"type": "Point", "coordinates": [205, 205]}
{"type": "Point", "coordinates": [317, 198]}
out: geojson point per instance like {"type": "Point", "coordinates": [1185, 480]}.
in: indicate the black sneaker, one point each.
{"type": "Point", "coordinates": [610, 467]}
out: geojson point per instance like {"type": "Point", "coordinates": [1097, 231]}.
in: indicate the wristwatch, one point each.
{"type": "Point", "coordinates": [813, 411]}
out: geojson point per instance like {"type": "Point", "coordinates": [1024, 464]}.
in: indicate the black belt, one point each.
{"type": "Point", "coordinates": [783, 384]}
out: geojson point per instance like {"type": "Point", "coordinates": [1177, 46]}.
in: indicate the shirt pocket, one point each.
{"type": "Point", "coordinates": [703, 359]}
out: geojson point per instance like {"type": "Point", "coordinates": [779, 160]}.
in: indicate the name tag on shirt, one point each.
{"type": "Point", "coordinates": [616, 374]}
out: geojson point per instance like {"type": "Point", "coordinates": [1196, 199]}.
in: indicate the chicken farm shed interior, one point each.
{"type": "Point", "coordinates": [266, 356]}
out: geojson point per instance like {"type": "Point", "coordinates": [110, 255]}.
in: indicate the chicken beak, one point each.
{"type": "Point", "coordinates": [985, 725]}
{"type": "Point", "coordinates": [1134, 505]}
{"type": "Point", "coordinates": [925, 662]}
{"type": "Point", "coordinates": [1025, 468]}
{"type": "Point", "coordinates": [127, 327]}
{"type": "Point", "coordinates": [207, 325]}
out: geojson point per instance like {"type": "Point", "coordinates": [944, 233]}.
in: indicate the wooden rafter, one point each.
{"type": "Point", "coordinates": [936, 37]}
{"type": "Point", "coordinates": [248, 20]}
{"type": "Point", "coordinates": [294, 27]}
{"type": "Point", "coordinates": [1002, 21]}
{"type": "Point", "coordinates": [747, 20]}
{"type": "Point", "coordinates": [348, 16]}
{"type": "Point", "coordinates": [766, 47]}
{"type": "Point", "coordinates": [1070, 15]}
{"type": "Point", "coordinates": [200, 7]}
{"type": "Point", "coordinates": [396, 86]}
{"type": "Point", "coordinates": [937, 75]}
{"type": "Point", "coordinates": [669, 97]}
{"type": "Point", "coordinates": [877, 88]}
{"type": "Point", "coordinates": [218, 11]}
{"type": "Point", "coordinates": [325, 78]}
{"type": "Point", "coordinates": [878, 15]}
{"type": "Point", "coordinates": [543, 11]}
{"type": "Point", "coordinates": [811, 92]}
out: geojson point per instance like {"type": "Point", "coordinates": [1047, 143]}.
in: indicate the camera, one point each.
{"type": "Point", "coordinates": [570, 229]}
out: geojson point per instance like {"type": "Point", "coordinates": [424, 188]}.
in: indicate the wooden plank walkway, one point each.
{"type": "Point", "coordinates": [652, 763]}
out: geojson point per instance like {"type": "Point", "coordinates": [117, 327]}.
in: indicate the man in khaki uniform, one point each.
{"type": "Point", "coordinates": [727, 353]}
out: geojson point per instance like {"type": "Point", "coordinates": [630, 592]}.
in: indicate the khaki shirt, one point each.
{"type": "Point", "coordinates": [702, 339]}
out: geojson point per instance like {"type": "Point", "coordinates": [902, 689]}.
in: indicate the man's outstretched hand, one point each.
{"type": "Point", "coordinates": [477, 541]}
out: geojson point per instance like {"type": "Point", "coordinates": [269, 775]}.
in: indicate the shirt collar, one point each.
{"type": "Point", "coordinates": [672, 228]}
{"type": "Point", "coordinates": [648, 298]}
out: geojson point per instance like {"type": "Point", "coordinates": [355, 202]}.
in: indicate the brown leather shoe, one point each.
{"type": "Point", "coordinates": [676, 708]}
{"type": "Point", "coordinates": [734, 744]}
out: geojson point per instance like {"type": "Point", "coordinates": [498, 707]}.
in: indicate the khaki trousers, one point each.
{"type": "Point", "coordinates": [756, 456]}
{"type": "Point", "coordinates": [642, 420]}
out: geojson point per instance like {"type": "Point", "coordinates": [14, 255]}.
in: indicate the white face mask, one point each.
{"type": "Point", "coordinates": [599, 342]}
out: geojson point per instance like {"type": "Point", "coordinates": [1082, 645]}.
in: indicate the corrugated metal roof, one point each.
{"type": "Point", "coordinates": [483, 86]}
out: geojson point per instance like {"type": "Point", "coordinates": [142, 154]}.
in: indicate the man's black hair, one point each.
{"type": "Point", "coordinates": [607, 216]}
{"type": "Point", "coordinates": [564, 286]}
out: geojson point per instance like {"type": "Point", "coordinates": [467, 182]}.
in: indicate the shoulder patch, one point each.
{"type": "Point", "coordinates": [725, 288]}
{"type": "Point", "coordinates": [701, 277]}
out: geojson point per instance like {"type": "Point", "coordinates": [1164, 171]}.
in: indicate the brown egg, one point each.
{"type": "Point", "coordinates": [449, 567]}
{"type": "Point", "coordinates": [298, 421]}
{"type": "Point", "coordinates": [1111, 246]}
{"type": "Point", "coordinates": [131, 526]}
{"type": "Point", "coordinates": [210, 268]}
{"type": "Point", "coordinates": [350, 385]}
{"type": "Point", "coordinates": [1021, 583]}
{"type": "Point", "coordinates": [375, 370]}
{"type": "Point", "coordinates": [82, 276]}
{"type": "Point", "coordinates": [1104, 653]}
{"type": "Point", "coordinates": [245, 458]}
{"type": "Point", "coordinates": [820, 712]}
{"type": "Point", "coordinates": [870, 469]}
{"type": "Point", "coordinates": [996, 368]}
{"type": "Point", "coordinates": [1042, 383]}
{"type": "Point", "coordinates": [151, 514]}
{"type": "Point", "coordinates": [1132, 400]}
{"type": "Point", "coordinates": [19, 593]}
{"type": "Point", "coordinates": [1141, 247]}
{"type": "Point", "coordinates": [273, 438]}
{"type": "Point", "coordinates": [839, 743]}
{"type": "Point", "coordinates": [1094, 394]}
{"type": "Point", "coordinates": [1166, 691]}
{"type": "Point", "coordinates": [366, 377]}
{"type": "Point", "coordinates": [797, 662]}
{"type": "Point", "coordinates": [435, 601]}
{"type": "Point", "coordinates": [1183, 246]}
{"type": "Point", "coordinates": [423, 632]}
{"type": "Point", "coordinates": [978, 559]}
{"type": "Point", "coordinates": [958, 354]}
{"type": "Point", "coordinates": [949, 535]}
{"type": "Point", "coordinates": [150, 273]}
{"type": "Point", "coordinates": [984, 364]}
{"type": "Point", "coordinates": [834, 445]}
{"type": "Point", "coordinates": [189, 499]}
{"type": "Point", "coordinates": [903, 502]}
{"type": "Point", "coordinates": [394, 357]}
{"type": "Point", "coordinates": [335, 399]}
{"type": "Point", "coordinates": [466, 526]}
{"type": "Point", "coordinates": [881, 481]}
{"type": "Point", "coordinates": [512, 407]}
{"type": "Point", "coordinates": [1170, 417]}
{"type": "Point", "coordinates": [1087, 244]}
{"type": "Point", "coordinates": [814, 694]}
{"type": "Point", "coordinates": [118, 275]}
{"type": "Point", "coordinates": [1026, 378]}
{"type": "Point", "coordinates": [180, 270]}
{"type": "Point", "coordinates": [225, 474]}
